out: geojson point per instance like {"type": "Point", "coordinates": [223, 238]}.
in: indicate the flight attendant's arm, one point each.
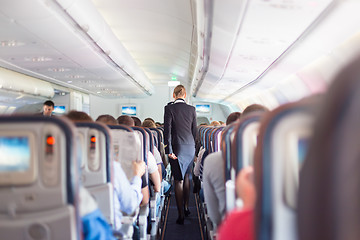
{"type": "Point", "coordinates": [194, 125]}
{"type": "Point", "coordinates": [167, 132]}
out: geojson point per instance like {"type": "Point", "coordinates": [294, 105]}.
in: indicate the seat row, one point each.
{"type": "Point", "coordinates": [44, 162]}
{"type": "Point", "coordinates": [301, 159]}
{"type": "Point", "coordinates": [275, 144]}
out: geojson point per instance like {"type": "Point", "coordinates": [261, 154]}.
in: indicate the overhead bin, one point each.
{"type": "Point", "coordinates": [19, 83]}
{"type": "Point", "coordinates": [85, 14]}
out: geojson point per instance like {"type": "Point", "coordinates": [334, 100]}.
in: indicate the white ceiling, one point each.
{"type": "Point", "coordinates": [219, 49]}
{"type": "Point", "coordinates": [253, 40]}
{"type": "Point", "coordinates": [156, 33]}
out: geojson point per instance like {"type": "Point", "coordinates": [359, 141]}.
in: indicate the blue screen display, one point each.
{"type": "Point", "coordinates": [202, 108]}
{"type": "Point", "coordinates": [59, 109]}
{"type": "Point", "coordinates": [14, 154]}
{"type": "Point", "coordinates": [128, 110]}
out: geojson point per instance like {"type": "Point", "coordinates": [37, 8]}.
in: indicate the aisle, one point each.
{"type": "Point", "coordinates": [190, 229]}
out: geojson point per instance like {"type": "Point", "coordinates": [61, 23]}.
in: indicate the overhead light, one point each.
{"type": "Point", "coordinates": [38, 59]}
{"type": "Point", "coordinates": [59, 69]}
{"type": "Point", "coordinates": [173, 83]}
{"type": "Point", "coordinates": [11, 43]}
{"type": "Point", "coordinates": [87, 81]}
{"type": "Point", "coordinates": [74, 76]}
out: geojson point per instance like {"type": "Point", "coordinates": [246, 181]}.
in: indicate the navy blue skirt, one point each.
{"type": "Point", "coordinates": [185, 154]}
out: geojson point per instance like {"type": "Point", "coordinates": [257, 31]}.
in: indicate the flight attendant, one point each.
{"type": "Point", "coordinates": [179, 137]}
{"type": "Point", "coordinates": [48, 108]}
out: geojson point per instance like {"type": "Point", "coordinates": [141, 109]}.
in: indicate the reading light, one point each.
{"type": "Point", "coordinates": [173, 83]}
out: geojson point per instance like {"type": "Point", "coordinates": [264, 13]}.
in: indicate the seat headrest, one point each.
{"type": "Point", "coordinates": [37, 161]}
{"type": "Point", "coordinates": [282, 136]}
{"type": "Point", "coordinates": [329, 192]}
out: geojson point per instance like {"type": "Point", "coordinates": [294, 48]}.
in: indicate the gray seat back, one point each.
{"type": "Point", "coordinates": [284, 134]}
{"type": "Point", "coordinates": [38, 179]}
{"type": "Point", "coordinates": [96, 165]}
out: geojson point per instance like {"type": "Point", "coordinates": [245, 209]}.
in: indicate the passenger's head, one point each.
{"type": "Point", "coordinates": [150, 119]}
{"type": "Point", "coordinates": [137, 121]}
{"type": "Point", "coordinates": [77, 116]}
{"type": "Point", "coordinates": [125, 120]}
{"type": "Point", "coordinates": [158, 124]}
{"type": "Point", "coordinates": [233, 117]}
{"type": "Point", "coordinates": [48, 108]}
{"type": "Point", "coordinates": [214, 123]}
{"type": "Point", "coordinates": [148, 124]}
{"type": "Point", "coordinates": [254, 108]}
{"type": "Point", "coordinates": [179, 92]}
{"type": "Point", "coordinates": [107, 119]}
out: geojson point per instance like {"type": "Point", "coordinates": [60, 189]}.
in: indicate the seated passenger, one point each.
{"type": "Point", "coordinates": [127, 195]}
{"type": "Point", "coordinates": [199, 163]}
{"type": "Point", "coordinates": [213, 179]}
{"type": "Point", "coordinates": [239, 224]}
{"type": "Point", "coordinates": [148, 123]}
{"type": "Point", "coordinates": [153, 172]}
{"type": "Point", "coordinates": [129, 121]}
{"type": "Point", "coordinates": [198, 172]}
{"type": "Point", "coordinates": [77, 116]}
{"type": "Point", "coordinates": [214, 182]}
{"type": "Point", "coordinates": [149, 119]}
{"type": "Point", "coordinates": [165, 185]}
{"type": "Point", "coordinates": [137, 121]}
{"type": "Point", "coordinates": [254, 108]}
{"type": "Point", "coordinates": [107, 119]}
{"type": "Point", "coordinates": [126, 120]}
{"type": "Point", "coordinates": [94, 224]}
{"type": "Point", "coordinates": [214, 123]}
{"type": "Point", "coordinates": [242, 219]}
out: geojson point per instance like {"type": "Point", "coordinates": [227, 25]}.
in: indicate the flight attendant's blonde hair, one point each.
{"type": "Point", "coordinates": [179, 91]}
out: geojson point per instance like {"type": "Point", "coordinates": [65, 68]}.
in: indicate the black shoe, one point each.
{"type": "Point", "coordinates": [187, 212]}
{"type": "Point", "coordinates": [180, 221]}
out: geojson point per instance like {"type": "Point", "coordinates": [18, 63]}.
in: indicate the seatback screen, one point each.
{"type": "Point", "coordinates": [14, 154]}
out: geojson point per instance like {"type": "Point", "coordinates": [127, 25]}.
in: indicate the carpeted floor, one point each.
{"type": "Point", "coordinates": [190, 229]}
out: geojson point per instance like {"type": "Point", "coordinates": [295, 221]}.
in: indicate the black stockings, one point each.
{"type": "Point", "coordinates": [182, 193]}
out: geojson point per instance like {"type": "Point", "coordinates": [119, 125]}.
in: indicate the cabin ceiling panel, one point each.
{"type": "Point", "coordinates": [157, 34]}
{"type": "Point", "coordinates": [40, 40]}
{"type": "Point", "coordinates": [315, 59]}
{"type": "Point", "coordinates": [263, 33]}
